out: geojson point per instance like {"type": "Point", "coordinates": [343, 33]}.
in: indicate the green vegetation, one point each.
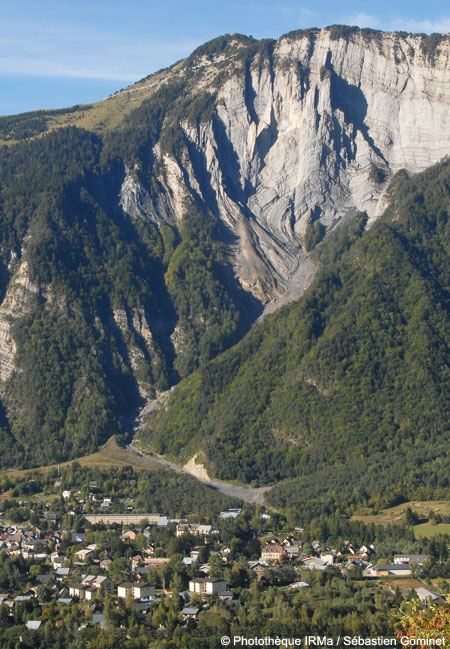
{"type": "Point", "coordinates": [159, 490]}
{"type": "Point", "coordinates": [416, 622]}
{"type": "Point", "coordinates": [429, 529]}
{"type": "Point", "coordinates": [313, 235]}
{"type": "Point", "coordinates": [25, 125]}
{"type": "Point", "coordinates": [207, 315]}
{"type": "Point", "coordinates": [377, 174]}
{"type": "Point", "coordinates": [332, 602]}
{"type": "Point", "coordinates": [396, 515]}
{"type": "Point", "coordinates": [429, 45]}
{"type": "Point", "coordinates": [220, 44]}
{"type": "Point", "coordinates": [350, 380]}
{"type": "Point", "coordinates": [352, 376]}
{"type": "Point", "coordinates": [97, 272]}
{"type": "Point", "coordinates": [331, 605]}
{"type": "Point", "coordinates": [346, 32]}
{"type": "Point", "coordinates": [296, 34]}
{"type": "Point", "coordinates": [92, 266]}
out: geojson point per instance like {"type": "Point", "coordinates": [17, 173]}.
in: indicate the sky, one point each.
{"type": "Point", "coordinates": [57, 53]}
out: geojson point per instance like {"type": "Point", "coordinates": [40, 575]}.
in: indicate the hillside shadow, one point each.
{"type": "Point", "coordinates": [351, 100]}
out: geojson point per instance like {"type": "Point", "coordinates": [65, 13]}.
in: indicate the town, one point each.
{"type": "Point", "coordinates": [79, 556]}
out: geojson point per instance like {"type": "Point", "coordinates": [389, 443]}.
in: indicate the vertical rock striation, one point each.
{"type": "Point", "coordinates": [302, 135]}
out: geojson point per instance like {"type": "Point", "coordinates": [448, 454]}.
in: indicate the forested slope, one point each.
{"type": "Point", "coordinates": [347, 390]}
{"type": "Point", "coordinates": [93, 322]}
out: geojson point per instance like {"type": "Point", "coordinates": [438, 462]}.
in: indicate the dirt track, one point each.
{"type": "Point", "coordinates": [242, 492]}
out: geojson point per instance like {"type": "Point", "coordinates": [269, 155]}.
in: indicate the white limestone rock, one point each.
{"type": "Point", "coordinates": [283, 150]}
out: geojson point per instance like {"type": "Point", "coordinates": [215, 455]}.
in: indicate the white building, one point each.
{"type": "Point", "coordinates": [135, 590]}
{"type": "Point", "coordinates": [207, 586]}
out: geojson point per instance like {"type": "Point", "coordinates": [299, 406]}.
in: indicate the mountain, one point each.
{"type": "Point", "coordinates": [142, 236]}
{"type": "Point", "coordinates": [346, 390]}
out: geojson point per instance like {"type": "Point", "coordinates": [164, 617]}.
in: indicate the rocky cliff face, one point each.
{"type": "Point", "coordinates": [16, 303]}
{"type": "Point", "coordinates": [304, 134]}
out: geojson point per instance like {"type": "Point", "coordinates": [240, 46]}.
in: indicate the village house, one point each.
{"type": "Point", "coordinates": [385, 569]}
{"type": "Point", "coordinates": [355, 561]}
{"type": "Point", "coordinates": [195, 528]}
{"type": "Point", "coordinates": [273, 553]}
{"type": "Point", "coordinates": [77, 590]}
{"type": "Point", "coordinates": [83, 555]}
{"type": "Point", "coordinates": [315, 563]}
{"type": "Point", "coordinates": [230, 513]}
{"type": "Point", "coordinates": [328, 557]}
{"type": "Point", "coordinates": [142, 573]}
{"type": "Point", "coordinates": [136, 561]}
{"type": "Point", "coordinates": [62, 573]}
{"type": "Point", "coordinates": [83, 591]}
{"type": "Point", "coordinates": [128, 535]}
{"type": "Point", "coordinates": [57, 560]}
{"type": "Point", "coordinates": [207, 585]}
{"type": "Point", "coordinates": [33, 625]}
{"type": "Point", "coordinates": [292, 551]}
{"type": "Point", "coordinates": [366, 550]}
{"type": "Point", "coordinates": [90, 593]}
{"type": "Point", "coordinates": [190, 613]}
{"type": "Point", "coordinates": [99, 582]}
{"type": "Point", "coordinates": [156, 562]}
{"type": "Point", "coordinates": [77, 537]}
{"type": "Point", "coordinates": [43, 580]}
{"type": "Point", "coordinates": [258, 568]}
{"type": "Point", "coordinates": [417, 559]}
{"type": "Point", "coordinates": [135, 590]}
{"type": "Point", "coordinates": [357, 557]}
{"type": "Point", "coordinates": [425, 596]}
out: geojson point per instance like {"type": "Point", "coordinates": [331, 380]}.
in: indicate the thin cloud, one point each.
{"type": "Point", "coordinates": [399, 23]}
{"type": "Point", "coordinates": [108, 59]}
{"type": "Point", "coordinates": [441, 26]}
{"type": "Point", "coordinates": [362, 19]}
{"type": "Point", "coordinates": [89, 51]}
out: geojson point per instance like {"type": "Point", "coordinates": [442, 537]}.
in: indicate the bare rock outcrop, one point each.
{"type": "Point", "coordinates": [16, 303]}
{"type": "Point", "coordinates": [305, 135]}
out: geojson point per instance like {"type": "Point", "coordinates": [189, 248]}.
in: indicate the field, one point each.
{"type": "Point", "coordinates": [426, 529]}
{"type": "Point", "coordinates": [109, 455]}
{"type": "Point", "coordinates": [405, 584]}
{"type": "Point", "coordinates": [396, 515]}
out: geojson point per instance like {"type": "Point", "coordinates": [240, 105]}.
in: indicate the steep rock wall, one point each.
{"type": "Point", "coordinates": [307, 135]}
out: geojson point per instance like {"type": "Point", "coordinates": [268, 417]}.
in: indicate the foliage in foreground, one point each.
{"type": "Point", "coordinates": [418, 622]}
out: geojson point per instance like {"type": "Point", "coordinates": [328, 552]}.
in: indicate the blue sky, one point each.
{"type": "Point", "coordinates": [55, 53]}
